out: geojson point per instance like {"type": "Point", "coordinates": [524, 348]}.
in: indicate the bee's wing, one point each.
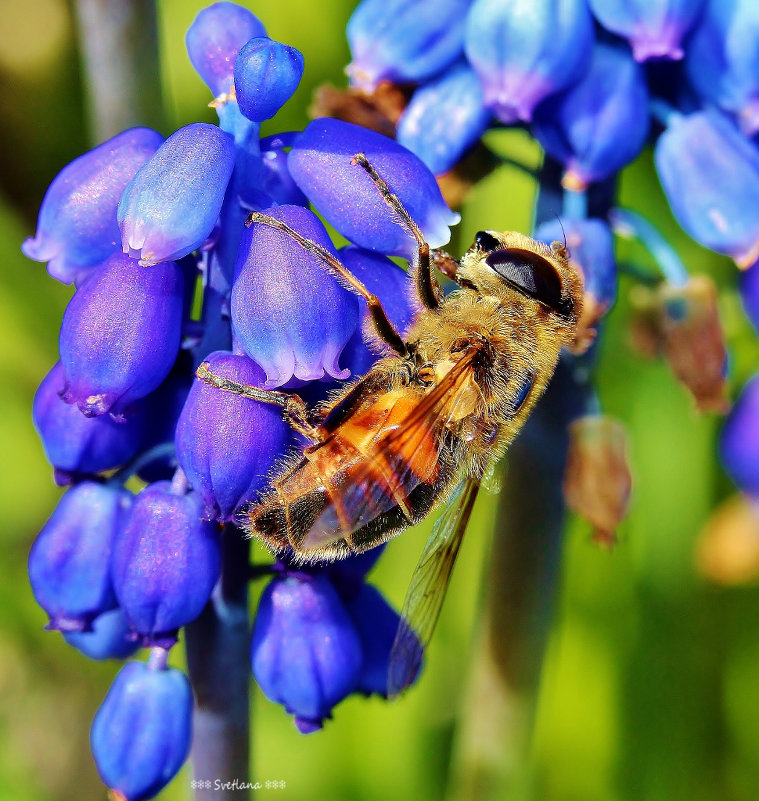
{"type": "Point", "coordinates": [429, 583]}
{"type": "Point", "coordinates": [403, 457]}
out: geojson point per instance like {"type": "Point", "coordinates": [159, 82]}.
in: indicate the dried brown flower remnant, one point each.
{"type": "Point", "coordinates": [682, 324]}
{"type": "Point", "coordinates": [597, 478]}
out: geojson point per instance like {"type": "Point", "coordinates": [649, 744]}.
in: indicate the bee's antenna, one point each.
{"type": "Point", "coordinates": [564, 234]}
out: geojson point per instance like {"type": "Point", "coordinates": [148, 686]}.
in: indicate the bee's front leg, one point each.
{"type": "Point", "coordinates": [295, 411]}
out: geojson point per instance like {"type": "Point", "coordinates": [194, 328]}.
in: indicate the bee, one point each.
{"type": "Point", "coordinates": [420, 429]}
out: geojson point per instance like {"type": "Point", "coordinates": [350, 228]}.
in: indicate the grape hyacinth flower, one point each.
{"type": "Point", "coordinates": [169, 208]}
{"type": "Point", "coordinates": [403, 40]}
{"type": "Point", "coordinates": [321, 164]}
{"type": "Point", "coordinates": [722, 60]}
{"type": "Point", "coordinates": [710, 174]}
{"type": "Point", "coordinates": [77, 228]}
{"type": "Point", "coordinates": [525, 50]}
{"type": "Point", "coordinates": [228, 469]}
{"type": "Point", "coordinates": [165, 562]}
{"type": "Point", "coordinates": [600, 123]}
{"type": "Point", "coordinates": [654, 28]}
{"type": "Point", "coordinates": [70, 561]}
{"type": "Point", "coordinates": [120, 334]}
{"type": "Point", "coordinates": [298, 335]}
{"type": "Point", "coordinates": [142, 732]}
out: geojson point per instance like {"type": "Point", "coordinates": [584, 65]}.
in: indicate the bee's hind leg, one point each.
{"type": "Point", "coordinates": [426, 284]}
{"type": "Point", "coordinates": [295, 412]}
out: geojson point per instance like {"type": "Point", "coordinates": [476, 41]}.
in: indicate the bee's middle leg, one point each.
{"type": "Point", "coordinates": [295, 411]}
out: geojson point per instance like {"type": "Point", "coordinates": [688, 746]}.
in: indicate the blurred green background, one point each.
{"type": "Point", "coordinates": [649, 688]}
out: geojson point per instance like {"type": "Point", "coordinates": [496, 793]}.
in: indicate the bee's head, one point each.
{"type": "Point", "coordinates": [508, 264]}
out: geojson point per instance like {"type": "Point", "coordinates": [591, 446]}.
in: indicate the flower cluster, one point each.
{"type": "Point", "coordinates": [144, 226]}
{"type": "Point", "coordinates": [594, 81]}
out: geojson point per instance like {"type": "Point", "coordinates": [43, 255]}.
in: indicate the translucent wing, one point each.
{"type": "Point", "coordinates": [429, 583]}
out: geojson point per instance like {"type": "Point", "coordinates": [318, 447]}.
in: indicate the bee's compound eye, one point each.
{"type": "Point", "coordinates": [532, 275]}
{"type": "Point", "coordinates": [486, 241]}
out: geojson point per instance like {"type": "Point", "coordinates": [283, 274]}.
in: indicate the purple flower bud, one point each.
{"type": "Point", "coordinates": [654, 28]}
{"type": "Point", "coordinates": [142, 732]}
{"type": "Point", "coordinates": [403, 40]}
{"type": "Point", "coordinates": [444, 118]}
{"type": "Point", "coordinates": [76, 445]}
{"type": "Point", "coordinates": [320, 163]}
{"type": "Point", "coordinates": [710, 174]}
{"type": "Point", "coordinates": [171, 205]}
{"type": "Point", "coordinates": [722, 59]}
{"type": "Point", "coordinates": [591, 248]}
{"type": "Point", "coordinates": [376, 623]}
{"type": "Point", "coordinates": [266, 75]}
{"type": "Point", "coordinates": [305, 651]}
{"type": "Point", "coordinates": [110, 638]}
{"type": "Point", "coordinates": [77, 226]}
{"type": "Point", "coordinates": [214, 39]}
{"type": "Point", "coordinates": [600, 124]}
{"type": "Point", "coordinates": [70, 561]}
{"type": "Point", "coordinates": [165, 562]}
{"type": "Point", "coordinates": [120, 334]}
{"type": "Point", "coordinates": [227, 444]}
{"type": "Point", "coordinates": [749, 289]}
{"type": "Point", "coordinates": [288, 311]}
{"type": "Point", "coordinates": [395, 289]}
{"type": "Point", "coordinates": [525, 50]}
{"type": "Point", "coordinates": [739, 441]}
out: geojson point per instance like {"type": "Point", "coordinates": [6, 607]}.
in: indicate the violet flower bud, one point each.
{"type": "Point", "coordinates": [227, 444]}
{"type": "Point", "coordinates": [600, 124]}
{"type": "Point", "coordinates": [403, 40]}
{"type": "Point", "coordinates": [77, 227]}
{"type": "Point", "coordinates": [214, 40]}
{"type": "Point", "coordinates": [110, 638]}
{"type": "Point", "coordinates": [525, 50]}
{"type": "Point", "coordinates": [289, 313]}
{"type": "Point", "coordinates": [171, 205]}
{"type": "Point", "coordinates": [722, 59]}
{"type": "Point", "coordinates": [305, 651]}
{"type": "Point", "coordinates": [739, 441]}
{"type": "Point", "coordinates": [710, 174]}
{"type": "Point", "coordinates": [320, 163]}
{"type": "Point", "coordinates": [444, 118]}
{"type": "Point", "coordinates": [347, 575]}
{"type": "Point", "coordinates": [70, 561]}
{"type": "Point", "coordinates": [166, 561]}
{"type": "Point", "coordinates": [395, 289]}
{"type": "Point", "coordinates": [142, 732]}
{"type": "Point", "coordinates": [377, 624]}
{"type": "Point", "coordinates": [120, 334]}
{"type": "Point", "coordinates": [76, 445]}
{"type": "Point", "coordinates": [654, 28]}
{"type": "Point", "coordinates": [266, 75]}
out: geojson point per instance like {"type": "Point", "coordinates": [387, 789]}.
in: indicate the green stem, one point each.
{"type": "Point", "coordinates": [119, 47]}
